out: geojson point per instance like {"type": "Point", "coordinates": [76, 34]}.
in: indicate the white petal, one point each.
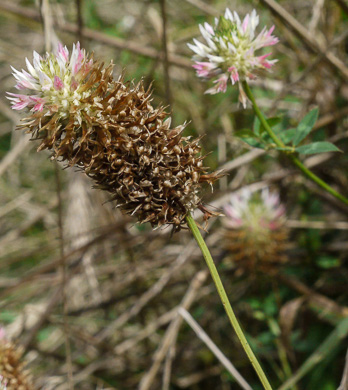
{"type": "Point", "coordinates": [211, 91]}
{"type": "Point", "coordinates": [24, 78]}
{"type": "Point", "coordinates": [30, 68]}
{"type": "Point", "coordinates": [211, 44]}
{"type": "Point", "coordinates": [62, 65]}
{"type": "Point", "coordinates": [209, 28]}
{"type": "Point", "coordinates": [237, 19]}
{"type": "Point", "coordinates": [37, 60]}
{"type": "Point", "coordinates": [228, 15]}
{"type": "Point", "coordinates": [254, 19]}
{"type": "Point", "coordinates": [222, 43]}
{"type": "Point", "coordinates": [196, 49]}
{"type": "Point", "coordinates": [235, 38]}
{"type": "Point", "coordinates": [52, 67]}
{"type": "Point", "coordinates": [215, 58]}
{"type": "Point", "coordinates": [205, 49]}
{"type": "Point", "coordinates": [45, 81]}
{"type": "Point", "coordinates": [231, 47]}
{"type": "Point", "coordinates": [204, 33]}
{"type": "Point", "coordinates": [15, 73]}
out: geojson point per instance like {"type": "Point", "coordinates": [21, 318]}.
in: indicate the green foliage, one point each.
{"type": "Point", "coordinates": [7, 316]}
{"type": "Point", "coordinates": [45, 333]}
{"type": "Point", "coordinates": [5, 142]}
{"type": "Point", "coordinates": [305, 126]}
{"type": "Point", "coordinates": [327, 262]}
{"type": "Point", "coordinates": [287, 135]}
{"type": "Point", "coordinates": [317, 147]}
{"type": "Point", "coordinates": [259, 138]}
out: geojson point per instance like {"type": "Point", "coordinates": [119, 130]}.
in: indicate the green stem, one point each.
{"type": "Point", "coordinates": [293, 158]}
{"type": "Point", "coordinates": [224, 299]}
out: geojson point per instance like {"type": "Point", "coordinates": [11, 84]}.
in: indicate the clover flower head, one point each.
{"type": "Point", "coordinates": [255, 226]}
{"type": "Point", "coordinates": [53, 83]}
{"type": "Point", "coordinates": [109, 129]}
{"type": "Point", "coordinates": [229, 52]}
{"type": "Point", "coordinates": [255, 211]}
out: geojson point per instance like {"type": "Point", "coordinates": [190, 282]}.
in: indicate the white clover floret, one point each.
{"type": "Point", "coordinates": [229, 52]}
{"type": "Point", "coordinates": [52, 81]}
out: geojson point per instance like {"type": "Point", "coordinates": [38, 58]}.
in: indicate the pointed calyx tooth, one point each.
{"type": "Point", "coordinates": [109, 129]}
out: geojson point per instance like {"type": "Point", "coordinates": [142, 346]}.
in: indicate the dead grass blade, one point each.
{"type": "Point", "coordinates": [306, 36]}
{"type": "Point", "coordinates": [171, 334]}
{"type": "Point", "coordinates": [214, 349]}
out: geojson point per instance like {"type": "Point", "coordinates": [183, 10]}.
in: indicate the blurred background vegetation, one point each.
{"type": "Point", "coordinates": [118, 327]}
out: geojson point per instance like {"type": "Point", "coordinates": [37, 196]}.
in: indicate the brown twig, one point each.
{"type": "Point", "coordinates": [214, 348]}
{"type": "Point", "coordinates": [172, 331]}
{"type": "Point", "coordinates": [150, 294]}
{"type": "Point", "coordinates": [165, 52]}
{"type": "Point", "coordinates": [308, 39]}
{"type": "Point", "coordinates": [326, 305]}
{"type": "Point", "coordinates": [119, 43]}
{"type": "Point", "coordinates": [79, 21]}
{"type": "Point", "coordinates": [201, 5]}
{"type": "Point", "coordinates": [337, 225]}
{"type": "Point", "coordinates": [51, 304]}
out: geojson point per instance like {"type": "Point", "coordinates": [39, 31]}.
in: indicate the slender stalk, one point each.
{"type": "Point", "coordinates": [226, 303]}
{"type": "Point", "coordinates": [64, 279]}
{"type": "Point", "coordinates": [165, 52]}
{"type": "Point", "coordinates": [293, 158]}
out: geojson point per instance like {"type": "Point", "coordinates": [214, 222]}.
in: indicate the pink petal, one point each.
{"type": "Point", "coordinates": [17, 95]}
{"type": "Point", "coordinates": [39, 103]}
{"type": "Point", "coordinates": [245, 23]}
{"type": "Point", "coordinates": [221, 83]}
{"type": "Point", "coordinates": [63, 52]}
{"type": "Point", "coordinates": [234, 74]}
{"type": "Point", "coordinates": [18, 101]}
{"type": "Point", "coordinates": [267, 64]}
{"type": "Point", "coordinates": [203, 68]}
{"type": "Point", "coordinates": [19, 105]}
{"type": "Point", "coordinates": [270, 31]}
{"type": "Point", "coordinates": [20, 86]}
{"type": "Point", "coordinates": [38, 107]}
{"type": "Point", "coordinates": [58, 83]}
{"type": "Point", "coordinates": [261, 58]}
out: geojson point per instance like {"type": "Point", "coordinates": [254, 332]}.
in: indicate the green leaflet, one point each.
{"type": "Point", "coordinates": [317, 147]}
{"type": "Point", "coordinates": [305, 126]}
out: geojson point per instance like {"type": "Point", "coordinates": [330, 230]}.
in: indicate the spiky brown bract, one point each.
{"type": "Point", "coordinates": [12, 369]}
{"type": "Point", "coordinates": [127, 147]}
